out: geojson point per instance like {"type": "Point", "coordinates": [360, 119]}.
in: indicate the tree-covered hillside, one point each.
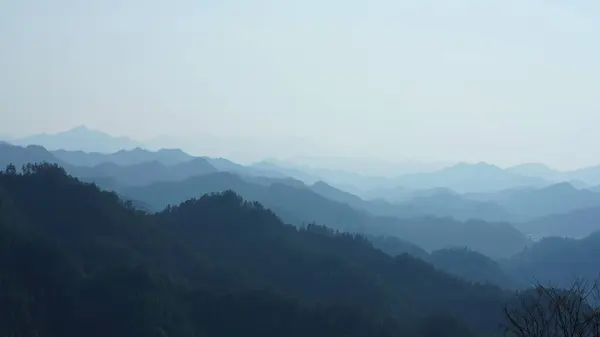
{"type": "Point", "coordinates": [79, 261]}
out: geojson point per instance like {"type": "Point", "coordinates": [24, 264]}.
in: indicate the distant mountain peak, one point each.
{"type": "Point", "coordinates": [81, 128]}
{"type": "Point", "coordinates": [562, 187]}
{"type": "Point", "coordinates": [478, 167]}
{"type": "Point", "coordinates": [321, 183]}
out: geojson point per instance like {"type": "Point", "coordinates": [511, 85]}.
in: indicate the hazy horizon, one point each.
{"type": "Point", "coordinates": [506, 82]}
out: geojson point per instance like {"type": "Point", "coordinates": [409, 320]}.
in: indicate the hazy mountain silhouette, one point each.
{"type": "Point", "coordinates": [576, 224]}
{"type": "Point", "coordinates": [458, 207]}
{"type": "Point", "coordinates": [267, 171]}
{"type": "Point", "coordinates": [145, 173]}
{"type": "Point", "coordinates": [557, 261]}
{"type": "Point", "coordinates": [333, 193]}
{"type": "Point", "coordinates": [19, 156]}
{"type": "Point", "coordinates": [434, 202]}
{"type": "Point", "coordinates": [465, 178]}
{"type": "Point", "coordinates": [589, 175]}
{"type": "Point", "coordinates": [463, 263]}
{"type": "Point", "coordinates": [470, 265]}
{"type": "Point", "coordinates": [536, 170]}
{"type": "Point", "coordinates": [395, 246]}
{"type": "Point", "coordinates": [396, 194]}
{"type": "Point", "coordinates": [123, 157]}
{"type": "Point", "coordinates": [273, 166]}
{"type": "Point", "coordinates": [555, 199]}
{"type": "Point", "coordinates": [80, 138]}
{"type": "Point", "coordinates": [351, 181]}
{"type": "Point", "coordinates": [583, 177]}
{"type": "Point", "coordinates": [302, 205]}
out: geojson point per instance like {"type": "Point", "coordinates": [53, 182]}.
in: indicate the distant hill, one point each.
{"type": "Point", "coordinates": [469, 178]}
{"type": "Point", "coordinates": [463, 263]}
{"type": "Point", "coordinates": [109, 174]}
{"type": "Point", "coordinates": [557, 261]}
{"type": "Point", "coordinates": [273, 166]}
{"type": "Point", "coordinates": [589, 175]}
{"type": "Point", "coordinates": [555, 199]}
{"type": "Point", "coordinates": [335, 194]}
{"type": "Point", "coordinates": [470, 265]}
{"type": "Point", "coordinates": [576, 224]}
{"type": "Point", "coordinates": [536, 170]}
{"type": "Point", "coordinates": [301, 205]}
{"type": "Point", "coordinates": [396, 194]}
{"type": "Point", "coordinates": [434, 202]}
{"type": "Point", "coordinates": [18, 156]}
{"type": "Point", "coordinates": [80, 138]}
{"type": "Point", "coordinates": [394, 246]}
{"type": "Point", "coordinates": [124, 157]}
{"type": "Point", "coordinates": [583, 177]}
{"type": "Point", "coordinates": [457, 207]}
{"type": "Point", "coordinates": [145, 173]}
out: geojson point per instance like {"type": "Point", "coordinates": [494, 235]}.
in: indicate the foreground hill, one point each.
{"type": "Point", "coordinates": [297, 204]}
{"type": "Point", "coordinates": [76, 261]}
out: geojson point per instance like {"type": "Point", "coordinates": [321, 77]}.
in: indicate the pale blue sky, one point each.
{"type": "Point", "coordinates": [504, 81]}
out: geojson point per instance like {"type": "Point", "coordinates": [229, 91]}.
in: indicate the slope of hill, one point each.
{"type": "Point", "coordinates": [136, 156]}
{"type": "Point", "coordinates": [81, 258]}
{"type": "Point", "coordinates": [68, 273]}
{"type": "Point", "coordinates": [469, 178]}
{"type": "Point", "coordinates": [302, 205]}
{"type": "Point", "coordinates": [80, 138]}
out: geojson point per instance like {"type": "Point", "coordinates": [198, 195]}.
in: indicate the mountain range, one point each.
{"type": "Point", "coordinates": [139, 167]}
{"type": "Point", "coordinates": [217, 265]}
{"type": "Point", "coordinates": [80, 138]}
{"type": "Point", "coordinates": [430, 225]}
{"type": "Point", "coordinates": [462, 177]}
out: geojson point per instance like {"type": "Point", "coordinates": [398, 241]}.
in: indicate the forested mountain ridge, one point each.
{"type": "Point", "coordinates": [301, 205]}
{"type": "Point", "coordinates": [206, 254]}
